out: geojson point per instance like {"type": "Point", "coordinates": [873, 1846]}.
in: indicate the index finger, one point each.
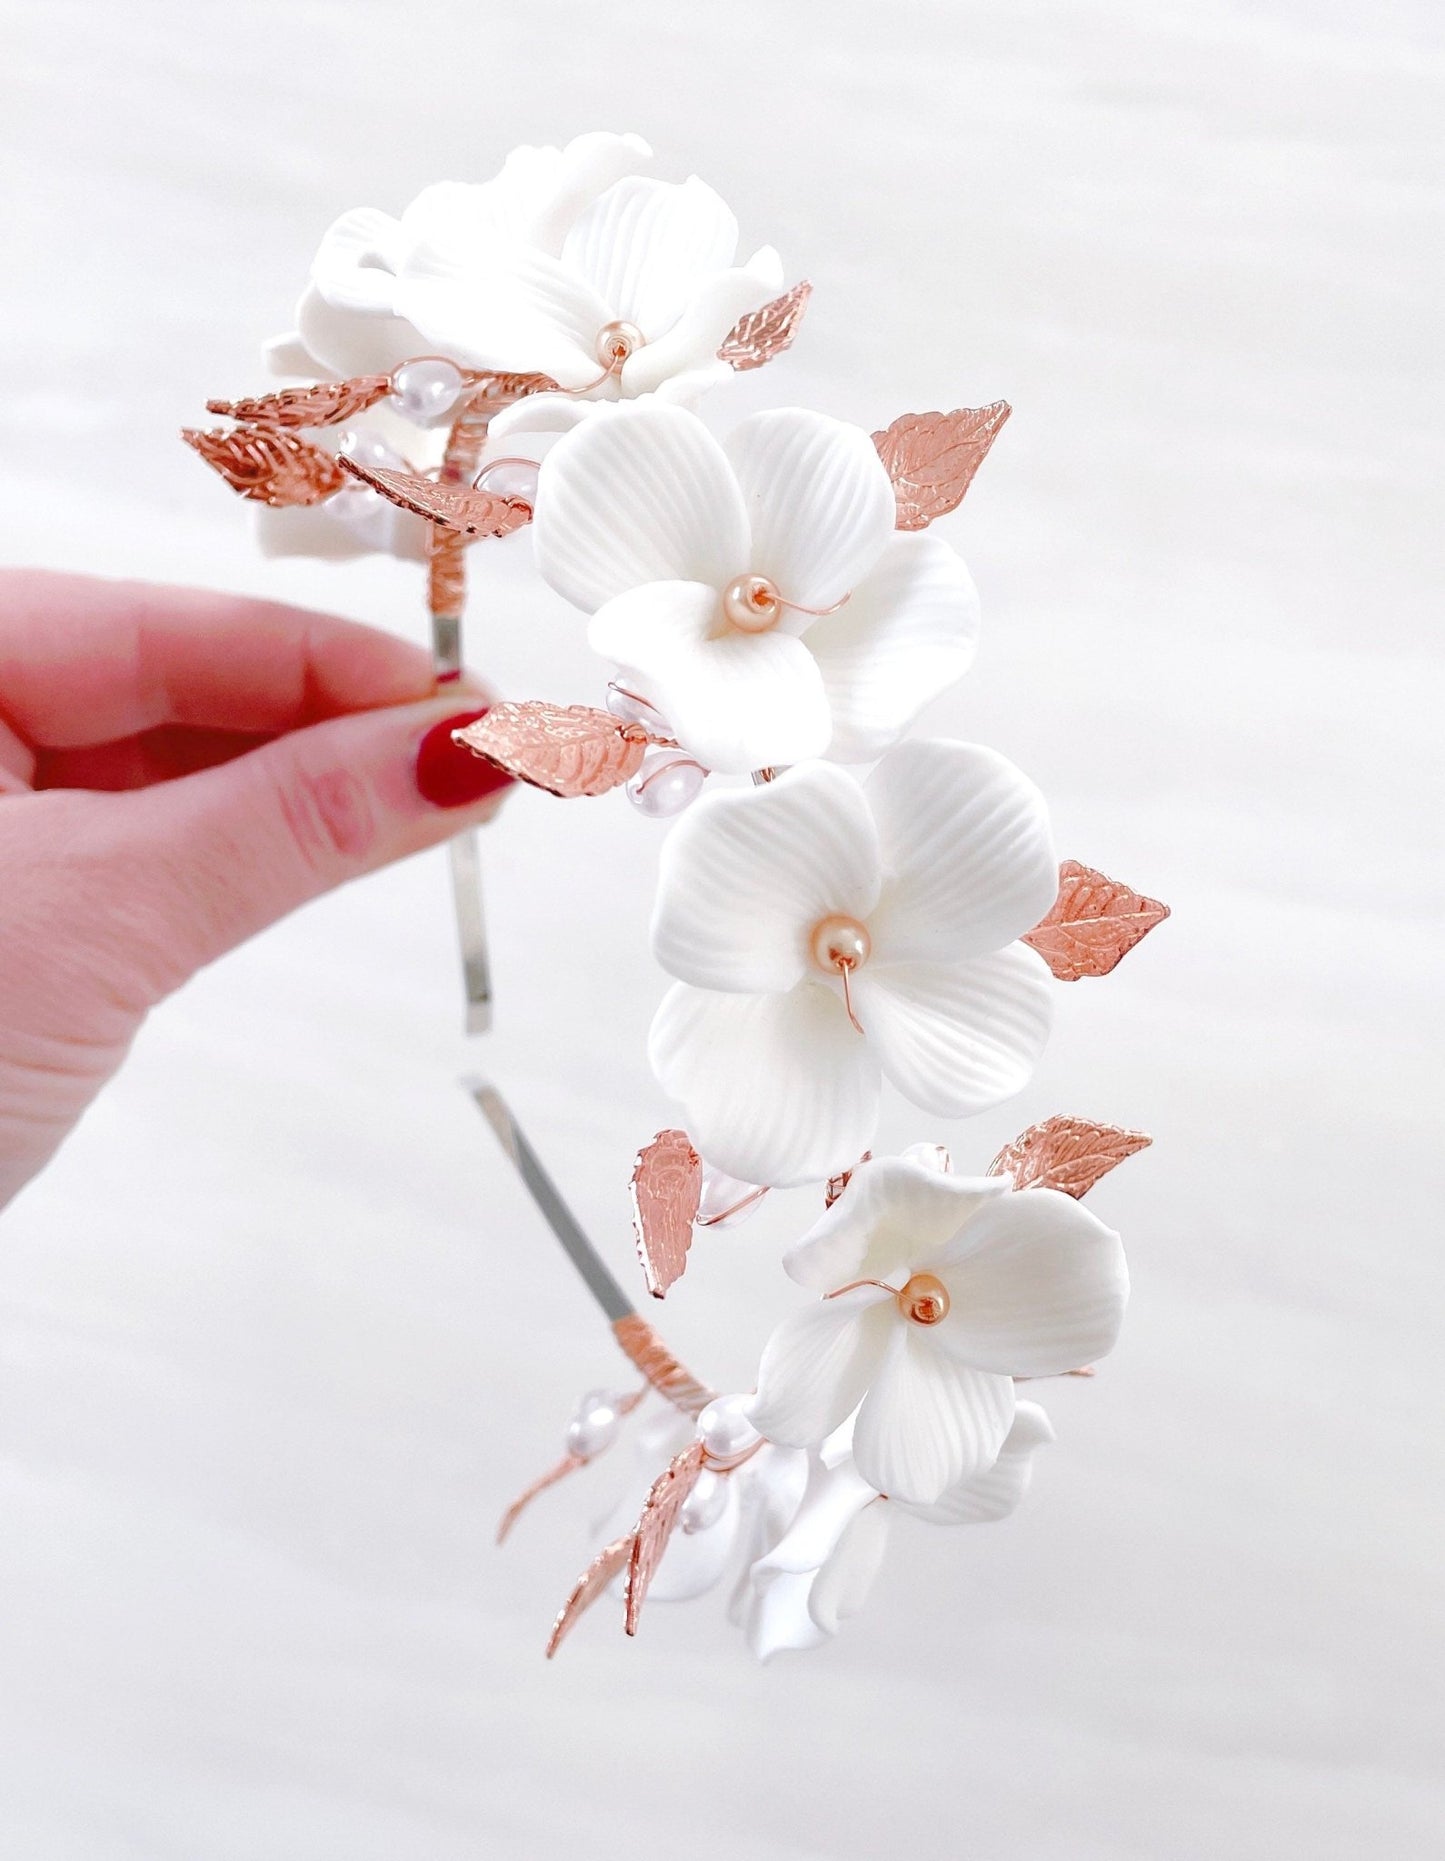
{"type": "Point", "coordinates": [86, 661]}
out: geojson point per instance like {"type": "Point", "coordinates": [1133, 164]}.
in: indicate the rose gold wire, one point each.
{"type": "Point", "coordinates": [667, 1376]}
{"type": "Point", "coordinates": [816, 612]}
{"type": "Point", "coordinates": [753, 1195]}
{"type": "Point", "coordinates": [854, 1284]}
{"type": "Point", "coordinates": [844, 968]}
{"type": "Point", "coordinates": [493, 465]}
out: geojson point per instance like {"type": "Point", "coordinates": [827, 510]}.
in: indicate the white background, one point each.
{"type": "Point", "coordinates": [279, 1335]}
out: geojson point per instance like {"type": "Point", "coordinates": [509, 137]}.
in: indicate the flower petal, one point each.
{"type": "Point", "coordinates": [893, 1217]}
{"type": "Point", "coordinates": [357, 261]}
{"type": "Point", "coordinates": [819, 501]}
{"type": "Point", "coordinates": [646, 246]}
{"type": "Point", "coordinates": [746, 874]}
{"type": "Point", "coordinates": [1039, 1286]}
{"type": "Point", "coordinates": [351, 342]}
{"type": "Point", "coordinates": [927, 1421]}
{"type": "Point", "coordinates": [777, 1089]}
{"type": "Point", "coordinates": [818, 1363]}
{"type": "Point", "coordinates": [834, 1498]}
{"type": "Point", "coordinates": [504, 308]}
{"type": "Point", "coordinates": [843, 1585]}
{"type": "Point", "coordinates": [533, 200]}
{"type": "Point", "coordinates": [971, 860]}
{"type": "Point", "coordinates": [956, 1038]}
{"type": "Point", "coordinates": [907, 632]}
{"type": "Point", "coordinates": [698, 333]}
{"type": "Point", "coordinates": [737, 701]}
{"type": "Point", "coordinates": [779, 1621]}
{"type": "Point", "coordinates": [1000, 1491]}
{"type": "Point", "coordinates": [640, 493]}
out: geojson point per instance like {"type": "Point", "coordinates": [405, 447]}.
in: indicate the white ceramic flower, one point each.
{"type": "Point", "coordinates": [756, 592]}
{"type": "Point", "coordinates": [780, 908]}
{"type": "Point", "coordinates": [546, 268]}
{"type": "Point", "coordinates": [938, 1291]}
{"type": "Point", "coordinates": [821, 1569]}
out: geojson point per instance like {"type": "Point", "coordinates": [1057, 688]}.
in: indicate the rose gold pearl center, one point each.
{"type": "Point", "coordinates": [924, 1299]}
{"type": "Point", "coordinates": [840, 943]}
{"type": "Point", "coordinates": [617, 341]}
{"type": "Point", "coordinates": [752, 604]}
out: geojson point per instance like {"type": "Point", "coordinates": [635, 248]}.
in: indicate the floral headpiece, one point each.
{"type": "Point", "coordinates": [528, 353]}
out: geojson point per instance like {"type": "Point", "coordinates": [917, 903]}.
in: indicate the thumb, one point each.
{"type": "Point", "coordinates": [205, 862]}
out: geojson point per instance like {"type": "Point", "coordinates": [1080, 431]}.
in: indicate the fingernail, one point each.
{"type": "Point", "coordinates": [449, 776]}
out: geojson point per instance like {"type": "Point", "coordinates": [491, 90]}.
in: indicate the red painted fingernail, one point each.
{"type": "Point", "coordinates": [449, 776]}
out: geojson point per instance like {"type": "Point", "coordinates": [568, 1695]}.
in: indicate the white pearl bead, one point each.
{"type": "Point", "coordinates": [840, 942]}
{"type": "Point", "coordinates": [718, 1204]}
{"type": "Point", "coordinates": [617, 341]}
{"type": "Point", "coordinates": [595, 1426]}
{"type": "Point", "coordinates": [365, 512]}
{"type": "Point", "coordinates": [705, 1504]}
{"type": "Point", "coordinates": [426, 390]}
{"type": "Point", "coordinates": [724, 1429]}
{"type": "Point", "coordinates": [369, 449]}
{"type": "Point", "coordinates": [751, 603]}
{"type": "Point", "coordinates": [666, 782]}
{"type": "Point", "coordinates": [628, 708]}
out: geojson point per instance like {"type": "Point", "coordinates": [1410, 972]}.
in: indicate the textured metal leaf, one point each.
{"type": "Point", "coordinates": [666, 1190]}
{"type": "Point", "coordinates": [594, 1580]}
{"type": "Point", "coordinates": [932, 458]}
{"type": "Point", "coordinates": [1068, 1154]}
{"type": "Point", "coordinates": [455, 507]}
{"type": "Point", "coordinates": [762, 334]}
{"type": "Point", "coordinates": [269, 464]}
{"type": "Point", "coordinates": [568, 750]}
{"type": "Point", "coordinates": [660, 1513]}
{"type": "Point", "coordinates": [1093, 923]}
{"type": "Point", "coordinates": [324, 404]}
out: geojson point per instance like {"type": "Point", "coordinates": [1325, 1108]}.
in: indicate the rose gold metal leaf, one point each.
{"type": "Point", "coordinates": [762, 334]}
{"type": "Point", "coordinates": [324, 404]}
{"type": "Point", "coordinates": [660, 1513]}
{"type": "Point", "coordinates": [667, 1376]}
{"type": "Point", "coordinates": [666, 1191]}
{"type": "Point", "coordinates": [932, 458]}
{"type": "Point", "coordinates": [268, 464]}
{"type": "Point", "coordinates": [456, 507]}
{"type": "Point", "coordinates": [569, 1463]}
{"type": "Point", "coordinates": [568, 750]}
{"type": "Point", "coordinates": [1092, 924]}
{"type": "Point", "coordinates": [589, 1586]}
{"type": "Point", "coordinates": [1068, 1154]}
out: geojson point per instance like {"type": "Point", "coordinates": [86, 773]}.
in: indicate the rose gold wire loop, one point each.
{"type": "Point", "coordinates": [736, 1208]}
{"type": "Point", "coordinates": [493, 465]}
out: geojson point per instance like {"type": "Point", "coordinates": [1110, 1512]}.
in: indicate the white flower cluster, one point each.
{"type": "Point", "coordinates": [763, 615]}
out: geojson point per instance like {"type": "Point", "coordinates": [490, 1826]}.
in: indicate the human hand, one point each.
{"type": "Point", "coordinates": [178, 770]}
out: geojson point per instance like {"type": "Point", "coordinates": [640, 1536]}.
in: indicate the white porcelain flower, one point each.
{"type": "Point", "coordinates": [821, 1569]}
{"type": "Point", "coordinates": [756, 592]}
{"type": "Point", "coordinates": [781, 908]}
{"type": "Point", "coordinates": [806, 1573]}
{"type": "Point", "coordinates": [938, 1291]}
{"type": "Point", "coordinates": [544, 269]}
